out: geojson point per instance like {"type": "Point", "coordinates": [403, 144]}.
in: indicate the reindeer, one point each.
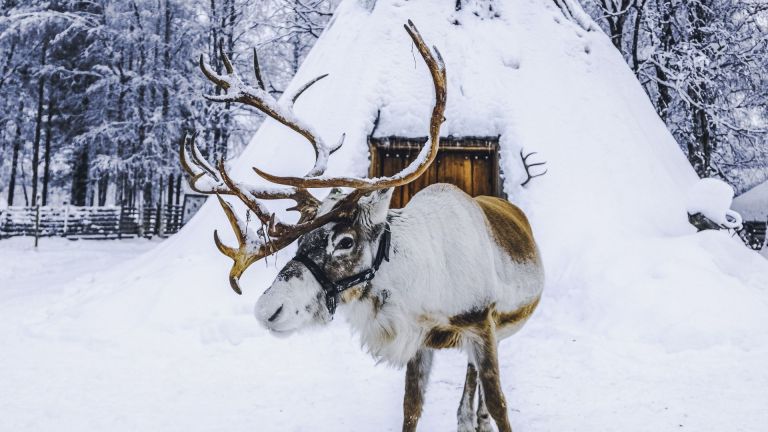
{"type": "Point", "coordinates": [446, 271]}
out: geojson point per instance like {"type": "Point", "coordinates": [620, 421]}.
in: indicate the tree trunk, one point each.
{"type": "Point", "coordinates": [167, 55]}
{"type": "Point", "coordinates": [615, 17]}
{"type": "Point", "coordinates": [666, 40]}
{"type": "Point", "coordinates": [24, 186]}
{"type": "Point", "coordinates": [170, 190]}
{"type": "Point", "coordinates": [123, 191]}
{"type": "Point", "coordinates": [147, 193]}
{"type": "Point", "coordinates": [16, 149]}
{"type": "Point", "coordinates": [161, 190]}
{"type": "Point", "coordinates": [8, 60]}
{"type": "Point", "coordinates": [38, 122]}
{"type": "Point", "coordinates": [639, 7]}
{"type": "Point", "coordinates": [103, 187]}
{"type": "Point", "coordinates": [178, 188]}
{"type": "Point", "coordinates": [700, 16]}
{"type": "Point", "coordinates": [80, 176]}
{"type": "Point", "coordinates": [47, 160]}
{"type": "Point", "coordinates": [147, 152]}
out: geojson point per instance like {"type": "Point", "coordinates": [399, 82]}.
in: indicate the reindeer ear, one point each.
{"type": "Point", "coordinates": [375, 205]}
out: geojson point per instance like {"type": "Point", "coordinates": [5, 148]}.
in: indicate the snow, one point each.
{"type": "Point", "coordinates": [225, 372]}
{"type": "Point", "coordinates": [713, 198]}
{"type": "Point", "coordinates": [753, 204]}
{"type": "Point", "coordinates": [644, 324]}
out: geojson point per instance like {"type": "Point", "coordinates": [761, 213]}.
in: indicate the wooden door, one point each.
{"type": "Point", "coordinates": [469, 163]}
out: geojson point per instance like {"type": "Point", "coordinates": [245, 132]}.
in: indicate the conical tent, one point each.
{"type": "Point", "coordinates": [632, 290]}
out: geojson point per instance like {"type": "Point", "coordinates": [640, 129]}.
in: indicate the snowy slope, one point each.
{"type": "Point", "coordinates": [617, 181]}
{"type": "Point", "coordinates": [642, 320]}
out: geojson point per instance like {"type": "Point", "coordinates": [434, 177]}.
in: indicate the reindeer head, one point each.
{"type": "Point", "coordinates": [341, 240]}
{"type": "Point", "coordinates": [330, 259]}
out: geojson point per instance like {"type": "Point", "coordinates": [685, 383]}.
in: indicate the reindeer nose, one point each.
{"type": "Point", "coordinates": [276, 314]}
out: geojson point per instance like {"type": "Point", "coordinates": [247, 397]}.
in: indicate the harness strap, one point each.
{"type": "Point", "coordinates": [333, 289]}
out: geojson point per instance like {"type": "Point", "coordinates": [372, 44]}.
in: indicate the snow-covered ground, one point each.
{"type": "Point", "coordinates": [230, 375]}
{"type": "Point", "coordinates": [645, 325]}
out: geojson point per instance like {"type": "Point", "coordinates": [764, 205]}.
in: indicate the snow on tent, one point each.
{"type": "Point", "coordinates": [644, 324]}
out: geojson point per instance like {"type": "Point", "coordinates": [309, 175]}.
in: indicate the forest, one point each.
{"type": "Point", "coordinates": [95, 95]}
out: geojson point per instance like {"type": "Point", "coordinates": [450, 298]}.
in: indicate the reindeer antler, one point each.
{"type": "Point", "coordinates": [237, 91]}
{"type": "Point", "coordinates": [528, 167]}
{"type": "Point", "coordinates": [273, 234]}
{"type": "Point", "coordinates": [425, 157]}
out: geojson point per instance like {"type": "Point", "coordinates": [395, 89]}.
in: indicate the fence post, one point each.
{"type": "Point", "coordinates": [37, 220]}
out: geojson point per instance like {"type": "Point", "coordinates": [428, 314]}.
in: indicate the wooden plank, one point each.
{"type": "Point", "coordinates": [390, 164]}
{"type": "Point", "coordinates": [482, 175]}
{"type": "Point", "coordinates": [464, 167]}
{"type": "Point", "coordinates": [426, 179]}
{"type": "Point", "coordinates": [406, 156]}
{"type": "Point", "coordinates": [470, 163]}
{"type": "Point", "coordinates": [456, 169]}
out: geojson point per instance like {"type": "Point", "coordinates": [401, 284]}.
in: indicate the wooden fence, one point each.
{"type": "Point", "coordinates": [91, 222]}
{"type": "Point", "coordinates": [753, 234]}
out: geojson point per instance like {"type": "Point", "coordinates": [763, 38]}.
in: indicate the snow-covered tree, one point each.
{"type": "Point", "coordinates": [96, 95]}
{"type": "Point", "coordinates": [703, 64]}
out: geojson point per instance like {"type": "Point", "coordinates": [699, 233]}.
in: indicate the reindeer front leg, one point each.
{"type": "Point", "coordinates": [416, 378]}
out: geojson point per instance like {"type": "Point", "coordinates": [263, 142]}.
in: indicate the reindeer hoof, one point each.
{"type": "Point", "coordinates": [484, 423]}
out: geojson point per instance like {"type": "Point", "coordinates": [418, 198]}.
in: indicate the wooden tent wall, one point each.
{"type": "Point", "coordinates": [471, 163]}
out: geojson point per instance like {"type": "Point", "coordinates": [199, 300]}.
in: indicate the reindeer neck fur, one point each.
{"type": "Point", "coordinates": [444, 262]}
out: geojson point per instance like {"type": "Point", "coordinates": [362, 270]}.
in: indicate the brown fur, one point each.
{"type": "Point", "coordinates": [517, 316]}
{"type": "Point", "coordinates": [482, 325]}
{"type": "Point", "coordinates": [442, 337]}
{"type": "Point", "coordinates": [475, 321]}
{"type": "Point", "coordinates": [364, 294]}
{"type": "Point", "coordinates": [510, 228]}
{"type": "Point", "coordinates": [472, 319]}
{"type": "Point", "coordinates": [350, 295]}
{"type": "Point", "coordinates": [377, 303]}
{"type": "Point", "coordinates": [488, 364]}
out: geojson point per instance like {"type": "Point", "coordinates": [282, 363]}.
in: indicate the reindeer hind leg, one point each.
{"type": "Point", "coordinates": [483, 417]}
{"type": "Point", "coordinates": [466, 412]}
{"type": "Point", "coordinates": [487, 360]}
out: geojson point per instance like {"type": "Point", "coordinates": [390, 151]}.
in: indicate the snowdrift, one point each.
{"type": "Point", "coordinates": [610, 215]}
{"type": "Point", "coordinates": [623, 264]}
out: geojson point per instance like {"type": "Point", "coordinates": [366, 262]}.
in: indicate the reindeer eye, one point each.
{"type": "Point", "coordinates": [345, 243]}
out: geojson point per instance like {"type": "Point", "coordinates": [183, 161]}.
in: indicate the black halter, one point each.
{"type": "Point", "coordinates": [333, 289]}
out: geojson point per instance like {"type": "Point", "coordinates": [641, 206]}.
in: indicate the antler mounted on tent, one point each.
{"type": "Point", "coordinates": [528, 166]}
{"type": "Point", "coordinates": [273, 234]}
